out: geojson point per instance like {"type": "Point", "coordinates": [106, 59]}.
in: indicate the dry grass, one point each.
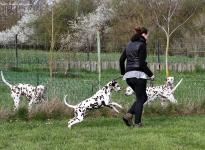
{"type": "Point", "coordinates": [56, 109]}
{"type": "Point", "coordinates": [51, 109]}
{"type": "Point", "coordinates": [5, 113]}
{"type": "Point", "coordinates": [180, 109]}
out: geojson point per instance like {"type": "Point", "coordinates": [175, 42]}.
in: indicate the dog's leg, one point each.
{"type": "Point", "coordinates": [30, 104]}
{"type": "Point", "coordinates": [43, 99]}
{"type": "Point", "coordinates": [70, 121]}
{"type": "Point", "coordinates": [115, 104]}
{"type": "Point", "coordinates": [172, 99]}
{"type": "Point", "coordinates": [113, 107]}
{"type": "Point", "coordinates": [151, 98]}
{"type": "Point", "coordinates": [148, 102]}
{"type": "Point", "coordinates": [79, 116]}
{"type": "Point", "coordinates": [16, 99]}
{"type": "Point", "coordinates": [75, 120]}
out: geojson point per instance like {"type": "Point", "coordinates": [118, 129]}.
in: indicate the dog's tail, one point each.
{"type": "Point", "coordinates": [4, 80]}
{"type": "Point", "coordinates": [176, 86]}
{"type": "Point", "coordinates": [67, 103]}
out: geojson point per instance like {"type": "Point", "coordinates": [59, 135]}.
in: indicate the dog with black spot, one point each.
{"type": "Point", "coordinates": [100, 99]}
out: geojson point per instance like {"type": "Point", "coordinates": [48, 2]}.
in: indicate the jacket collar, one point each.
{"type": "Point", "coordinates": [138, 38]}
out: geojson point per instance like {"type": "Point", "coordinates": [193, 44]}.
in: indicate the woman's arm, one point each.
{"type": "Point", "coordinates": [142, 60]}
{"type": "Point", "coordinates": [122, 62]}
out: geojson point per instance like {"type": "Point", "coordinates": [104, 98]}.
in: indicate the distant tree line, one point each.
{"type": "Point", "coordinates": [73, 17]}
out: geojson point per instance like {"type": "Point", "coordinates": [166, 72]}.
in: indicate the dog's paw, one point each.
{"type": "Point", "coordinates": [120, 106]}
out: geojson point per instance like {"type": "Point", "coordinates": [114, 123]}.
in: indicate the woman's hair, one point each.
{"type": "Point", "coordinates": [140, 30]}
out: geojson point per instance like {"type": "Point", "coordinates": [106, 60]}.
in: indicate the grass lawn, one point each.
{"type": "Point", "coordinates": [158, 133]}
{"type": "Point", "coordinates": [42, 57]}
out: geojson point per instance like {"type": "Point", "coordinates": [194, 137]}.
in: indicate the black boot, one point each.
{"type": "Point", "coordinates": [138, 125]}
{"type": "Point", "coordinates": [127, 118]}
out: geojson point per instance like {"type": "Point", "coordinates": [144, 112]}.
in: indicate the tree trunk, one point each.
{"type": "Point", "coordinates": [166, 55]}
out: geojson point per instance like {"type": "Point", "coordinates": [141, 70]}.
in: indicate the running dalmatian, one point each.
{"type": "Point", "coordinates": [32, 93]}
{"type": "Point", "coordinates": [163, 92]}
{"type": "Point", "coordinates": [98, 100]}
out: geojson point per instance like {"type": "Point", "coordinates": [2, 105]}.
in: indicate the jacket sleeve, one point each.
{"type": "Point", "coordinates": [142, 60]}
{"type": "Point", "coordinates": [122, 62]}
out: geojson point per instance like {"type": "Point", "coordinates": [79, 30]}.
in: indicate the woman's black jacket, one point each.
{"type": "Point", "coordinates": [135, 53]}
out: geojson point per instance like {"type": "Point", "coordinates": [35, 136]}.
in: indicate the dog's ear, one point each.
{"type": "Point", "coordinates": [112, 83]}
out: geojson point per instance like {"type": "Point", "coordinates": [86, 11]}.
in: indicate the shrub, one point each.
{"type": "Point", "coordinates": [50, 109]}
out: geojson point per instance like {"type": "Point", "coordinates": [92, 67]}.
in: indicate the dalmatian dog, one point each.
{"type": "Point", "coordinates": [99, 99]}
{"type": "Point", "coordinates": [32, 93]}
{"type": "Point", "coordinates": [163, 92]}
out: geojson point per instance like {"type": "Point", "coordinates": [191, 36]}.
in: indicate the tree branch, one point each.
{"type": "Point", "coordinates": [183, 22]}
{"type": "Point", "coordinates": [176, 5]}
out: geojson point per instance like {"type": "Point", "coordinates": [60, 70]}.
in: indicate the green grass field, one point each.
{"type": "Point", "coordinates": [164, 129]}
{"type": "Point", "coordinates": [42, 57]}
{"type": "Point", "coordinates": [158, 133]}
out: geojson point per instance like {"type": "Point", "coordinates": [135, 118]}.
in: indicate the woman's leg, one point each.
{"type": "Point", "coordinates": [139, 86]}
{"type": "Point", "coordinates": [132, 83]}
{"type": "Point", "coordinates": [127, 118]}
{"type": "Point", "coordinates": [141, 95]}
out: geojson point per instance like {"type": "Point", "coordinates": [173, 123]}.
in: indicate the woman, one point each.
{"type": "Point", "coordinates": [136, 73]}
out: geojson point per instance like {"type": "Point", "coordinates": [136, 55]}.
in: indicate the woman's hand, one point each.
{"type": "Point", "coordinates": [152, 77]}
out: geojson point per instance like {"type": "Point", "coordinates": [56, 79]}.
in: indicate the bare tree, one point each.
{"type": "Point", "coordinates": [167, 16]}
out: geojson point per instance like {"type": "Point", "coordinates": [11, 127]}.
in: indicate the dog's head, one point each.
{"type": "Point", "coordinates": [113, 85]}
{"type": "Point", "coordinates": [128, 91]}
{"type": "Point", "coordinates": [40, 90]}
{"type": "Point", "coordinates": [170, 80]}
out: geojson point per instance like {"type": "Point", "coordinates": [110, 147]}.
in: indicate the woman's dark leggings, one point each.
{"type": "Point", "coordinates": [139, 86]}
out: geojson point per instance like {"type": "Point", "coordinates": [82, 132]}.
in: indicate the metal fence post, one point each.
{"type": "Point", "coordinates": [16, 48]}
{"type": "Point", "coordinates": [99, 60]}
{"type": "Point", "coordinates": [158, 54]}
{"type": "Point", "coordinates": [37, 74]}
